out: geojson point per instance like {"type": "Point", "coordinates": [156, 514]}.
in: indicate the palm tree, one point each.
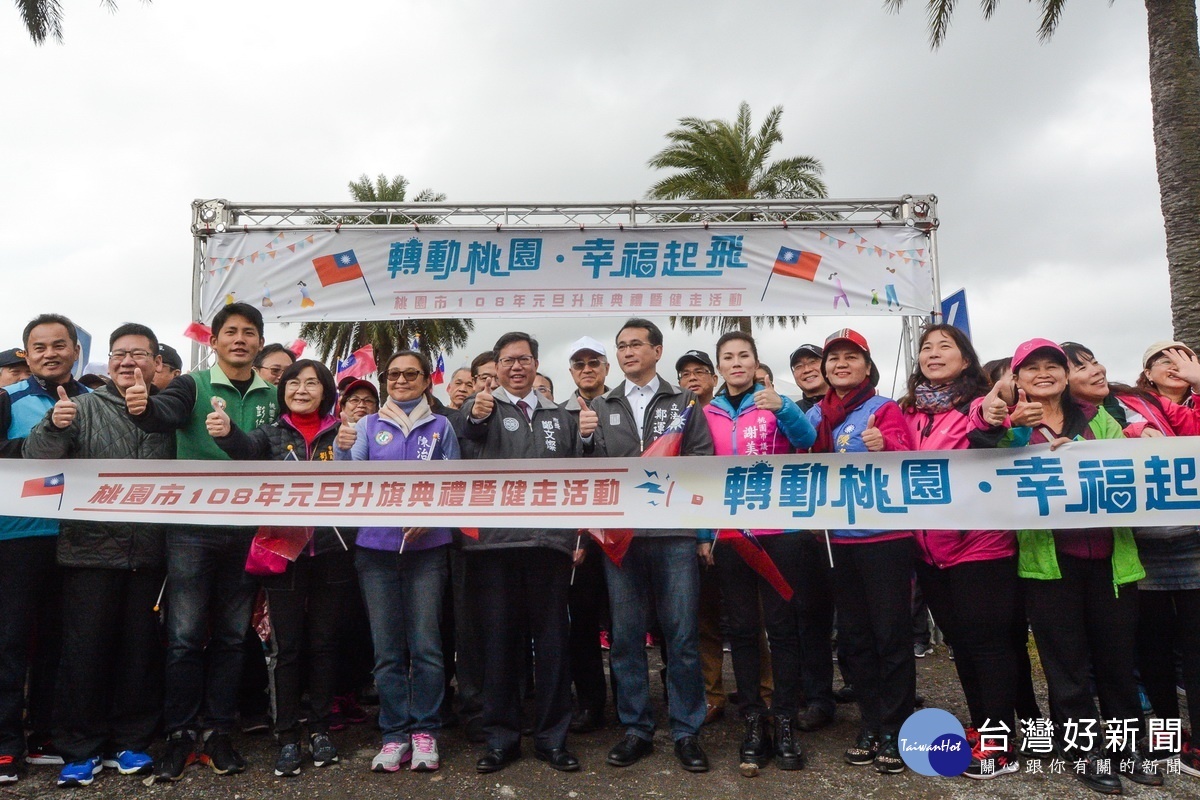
{"type": "Point", "coordinates": [719, 160]}
{"type": "Point", "coordinates": [339, 339]}
{"type": "Point", "coordinates": [43, 18]}
{"type": "Point", "coordinates": [1175, 104]}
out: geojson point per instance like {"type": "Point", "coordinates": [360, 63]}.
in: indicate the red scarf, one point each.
{"type": "Point", "coordinates": [834, 411]}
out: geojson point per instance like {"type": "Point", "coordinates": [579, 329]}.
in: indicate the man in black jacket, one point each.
{"type": "Point", "coordinates": [661, 565]}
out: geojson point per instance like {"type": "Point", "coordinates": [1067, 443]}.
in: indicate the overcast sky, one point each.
{"type": "Point", "coordinates": [1041, 155]}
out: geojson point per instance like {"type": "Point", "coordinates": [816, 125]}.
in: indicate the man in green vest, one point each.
{"type": "Point", "coordinates": [208, 595]}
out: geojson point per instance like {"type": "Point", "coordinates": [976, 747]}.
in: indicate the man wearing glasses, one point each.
{"type": "Point", "coordinates": [271, 361]}
{"type": "Point", "coordinates": [521, 576]}
{"type": "Point", "coordinates": [696, 374]}
{"type": "Point", "coordinates": [661, 566]}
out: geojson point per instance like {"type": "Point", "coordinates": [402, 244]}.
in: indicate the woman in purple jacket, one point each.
{"type": "Point", "coordinates": [950, 406]}
{"type": "Point", "coordinates": [402, 570]}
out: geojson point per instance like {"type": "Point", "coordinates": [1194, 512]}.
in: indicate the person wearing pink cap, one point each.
{"type": "Point", "coordinates": [1080, 585]}
{"type": "Point", "coordinates": [872, 569]}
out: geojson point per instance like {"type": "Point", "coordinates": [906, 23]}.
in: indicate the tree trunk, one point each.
{"type": "Point", "coordinates": [1175, 98]}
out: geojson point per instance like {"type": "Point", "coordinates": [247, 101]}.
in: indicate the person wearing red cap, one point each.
{"type": "Point", "coordinates": [1081, 585]}
{"type": "Point", "coordinates": [872, 569]}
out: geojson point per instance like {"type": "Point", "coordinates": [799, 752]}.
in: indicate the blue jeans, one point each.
{"type": "Point", "coordinates": [664, 571]}
{"type": "Point", "coordinates": [209, 597]}
{"type": "Point", "coordinates": [403, 593]}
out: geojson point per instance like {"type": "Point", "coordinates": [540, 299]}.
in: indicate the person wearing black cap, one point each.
{"type": "Point", "coordinates": [697, 375]}
{"type": "Point", "coordinates": [170, 366]}
{"type": "Point", "coordinates": [13, 367]}
{"type": "Point", "coordinates": [805, 362]}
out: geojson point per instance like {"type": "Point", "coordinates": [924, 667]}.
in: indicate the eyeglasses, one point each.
{"type": "Point", "coordinates": [136, 355]}
{"type": "Point", "coordinates": [275, 371]}
{"type": "Point", "coordinates": [409, 375]}
{"type": "Point", "coordinates": [509, 361]}
{"type": "Point", "coordinates": [365, 400]}
{"type": "Point", "coordinates": [310, 385]}
{"type": "Point", "coordinates": [694, 373]}
{"type": "Point", "coordinates": [591, 363]}
{"type": "Point", "coordinates": [486, 376]}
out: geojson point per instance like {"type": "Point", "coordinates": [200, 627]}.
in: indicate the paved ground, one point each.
{"type": "Point", "coordinates": [658, 776]}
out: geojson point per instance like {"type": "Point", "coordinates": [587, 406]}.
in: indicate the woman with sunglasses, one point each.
{"type": "Point", "coordinates": [403, 569]}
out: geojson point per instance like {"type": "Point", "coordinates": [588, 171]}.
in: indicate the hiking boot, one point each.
{"type": "Point", "coordinates": [80, 773]}
{"type": "Point", "coordinates": [864, 749]}
{"type": "Point", "coordinates": [756, 742]}
{"type": "Point", "coordinates": [888, 760]}
{"type": "Point", "coordinates": [287, 764]}
{"type": "Point", "coordinates": [391, 756]}
{"type": "Point", "coordinates": [324, 752]}
{"type": "Point", "coordinates": [181, 751]}
{"type": "Point", "coordinates": [424, 753]}
{"type": "Point", "coordinates": [220, 756]}
{"type": "Point", "coordinates": [788, 754]}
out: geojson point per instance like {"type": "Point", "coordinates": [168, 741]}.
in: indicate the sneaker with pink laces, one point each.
{"type": "Point", "coordinates": [391, 756]}
{"type": "Point", "coordinates": [424, 753]}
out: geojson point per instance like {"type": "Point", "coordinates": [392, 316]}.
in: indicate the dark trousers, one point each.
{"type": "Point", "coordinates": [813, 599]}
{"type": "Point", "coordinates": [588, 603]}
{"type": "Point", "coordinates": [468, 643]}
{"type": "Point", "coordinates": [523, 591]}
{"type": "Point", "coordinates": [974, 604]}
{"type": "Point", "coordinates": [111, 674]}
{"type": "Point", "coordinates": [1169, 621]}
{"type": "Point", "coordinates": [355, 653]}
{"type": "Point", "coordinates": [750, 603]}
{"type": "Point", "coordinates": [30, 638]}
{"type": "Point", "coordinates": [209, 600]}
{"type": "Point", "coordinates": [1083, 628]}
{"type": "Point", "coordinates": [254, 683]}
{"type": "Point", "coordinates": [873, 591]}
{"type": "Point", "coordinates": [307, 605]}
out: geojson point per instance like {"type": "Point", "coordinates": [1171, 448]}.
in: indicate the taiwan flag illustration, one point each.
{"type": "Point", "coordinates": [339, 268]}
{"type": "Point", "coordinates": [38, 487]}
{"type": "Point", "coordinates": [792, 263]}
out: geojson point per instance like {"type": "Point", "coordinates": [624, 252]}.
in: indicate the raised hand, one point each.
{"type": "Point", "coordinates": [137, 397]}
{"type": "Point", "coordinates": [217, 421]}
{"type": "Point", "coordinates": [872, 437]}
{"type": "Point", "coordinates": [1026, 414]}
{"type": "Point", "coordinates": [347, 434]}
{"type": "Point", "coordinates": [64, 411]}
{"type": "Point", "coordinates": [994, 409]}
{"type": "Point", "coordinates": [589, 420]}
{"type": "Point", "coordinates": [768, 399]}
{"type": "Point", "coordinates": [1186, 366]}
{"type": "Point", "coordinates": [484, 403]}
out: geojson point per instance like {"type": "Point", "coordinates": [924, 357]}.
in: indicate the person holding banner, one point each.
{"type": "Point", "coordinates": [403, 569]}
{"type": "Point", "coordinates": [307, 600]}
{"type": "Point", "coordinates": [209, 597]}
{"type": "Point", "coordinates": [30, 621]}
{"type": "Point", "coordinates": [952, 405]}
{"type": "Point", "coordinates": [521, 577]}
{"type": "Point", "coordinates": [872, 569]}
{"type": "Point", "coordinates": [110, 678]}
{"type": "Point", "coordinates": [748, 418]}
{"type": "Point", "coordinates": [1081, 585]}
{"type": "Point", "coordinates": [661, 565]}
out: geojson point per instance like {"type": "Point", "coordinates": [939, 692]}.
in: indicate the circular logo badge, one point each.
{"type": "Point", "coordinates": [933, 742]}
{"type": "Point", "coordinates": [383, 437]}
{"type": "Point", "coordinates": [511, 424]}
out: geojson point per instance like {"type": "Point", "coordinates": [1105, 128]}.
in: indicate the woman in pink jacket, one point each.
{"type": "Point", "coordinates": [950, 406]}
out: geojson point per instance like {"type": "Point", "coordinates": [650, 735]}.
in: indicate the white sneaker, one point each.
{"type": "Point", "coordinates": [391, 756]}
{"type": "Point", "coordinates": [424, 753]}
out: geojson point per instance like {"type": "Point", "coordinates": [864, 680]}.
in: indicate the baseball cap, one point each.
{"type": "Point", "coordinates": [847, 335]}
{"type": "Point", "coordinates": [694, 356]}
{"type": "Point", "coordinates": [586, 343]}
{"type": "Point", "coordinates": [354, 385]}
{"type": "Point", "coordinates": [1150, 353]}
{"type": "Point", "coordinates": [813, 350]}
{"type": "Point", "coordinates": [170, 356]}
{"type": "Point", "coordinates": [1026, 349]}
{"type": "Point", "coordinates": [12, 357]}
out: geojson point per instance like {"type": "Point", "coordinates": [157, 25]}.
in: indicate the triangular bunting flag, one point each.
{"type": "Point", "coordinates": [309, 238]}
{"type": "Point", "coordinates": [860, 248]}
{"type": "Point", "coordinates": [292, 247]}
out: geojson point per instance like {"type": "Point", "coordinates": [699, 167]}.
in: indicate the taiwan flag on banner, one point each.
{"type": "Point", "coordinates": [38, 487]}
{"type": "Point", "coordinates": [360, 364]}
{"type": "Point", "coordinates": [796, 264]}
{"type": "Point", "coordinates": [337, 268]}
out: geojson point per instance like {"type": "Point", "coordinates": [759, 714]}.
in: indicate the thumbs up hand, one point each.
{"type": "Point", "coordinates": [484, 403]}
{"type": "Point", "coordinates": [1026, 414]}
{"type": "Point", "coordinates": [63, 413]}
{"type": "Point", "coordinates": [872, 437]}
{"type": "Point", "coordinates": [589, 420]}
{"type": "Point", "coordinates": [347, 434]}
{"type": "Point", "coordinates": [137, 397]}
{"type": "Point", "coordinates": [994, 409]}
{"type": "Point", "coordinates": [217, 422]}
{"type": "Point", "coordinates": [768, 399]}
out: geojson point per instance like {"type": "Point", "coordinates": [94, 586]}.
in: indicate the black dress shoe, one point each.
{"type": "Point", "coordinates": [630, 750]}
{"type": "Point", "coordinates": [1103, 782]}
{"type": "Point", "coordinates": [587, 720]}
{"type": "Point", "coordinates": [560, 758]}
{"type": "Point", "coordinates": [497, 759]}
{"type": "Point", "coordinates": [813, 718]}
{"type": "Point", "coordinates": [1133, 765]}
{"type": "Point", "coordinates": [688, 751]}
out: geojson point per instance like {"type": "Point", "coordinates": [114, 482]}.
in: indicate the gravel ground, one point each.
{"type": "Point", "coordinates": [657, 776]}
